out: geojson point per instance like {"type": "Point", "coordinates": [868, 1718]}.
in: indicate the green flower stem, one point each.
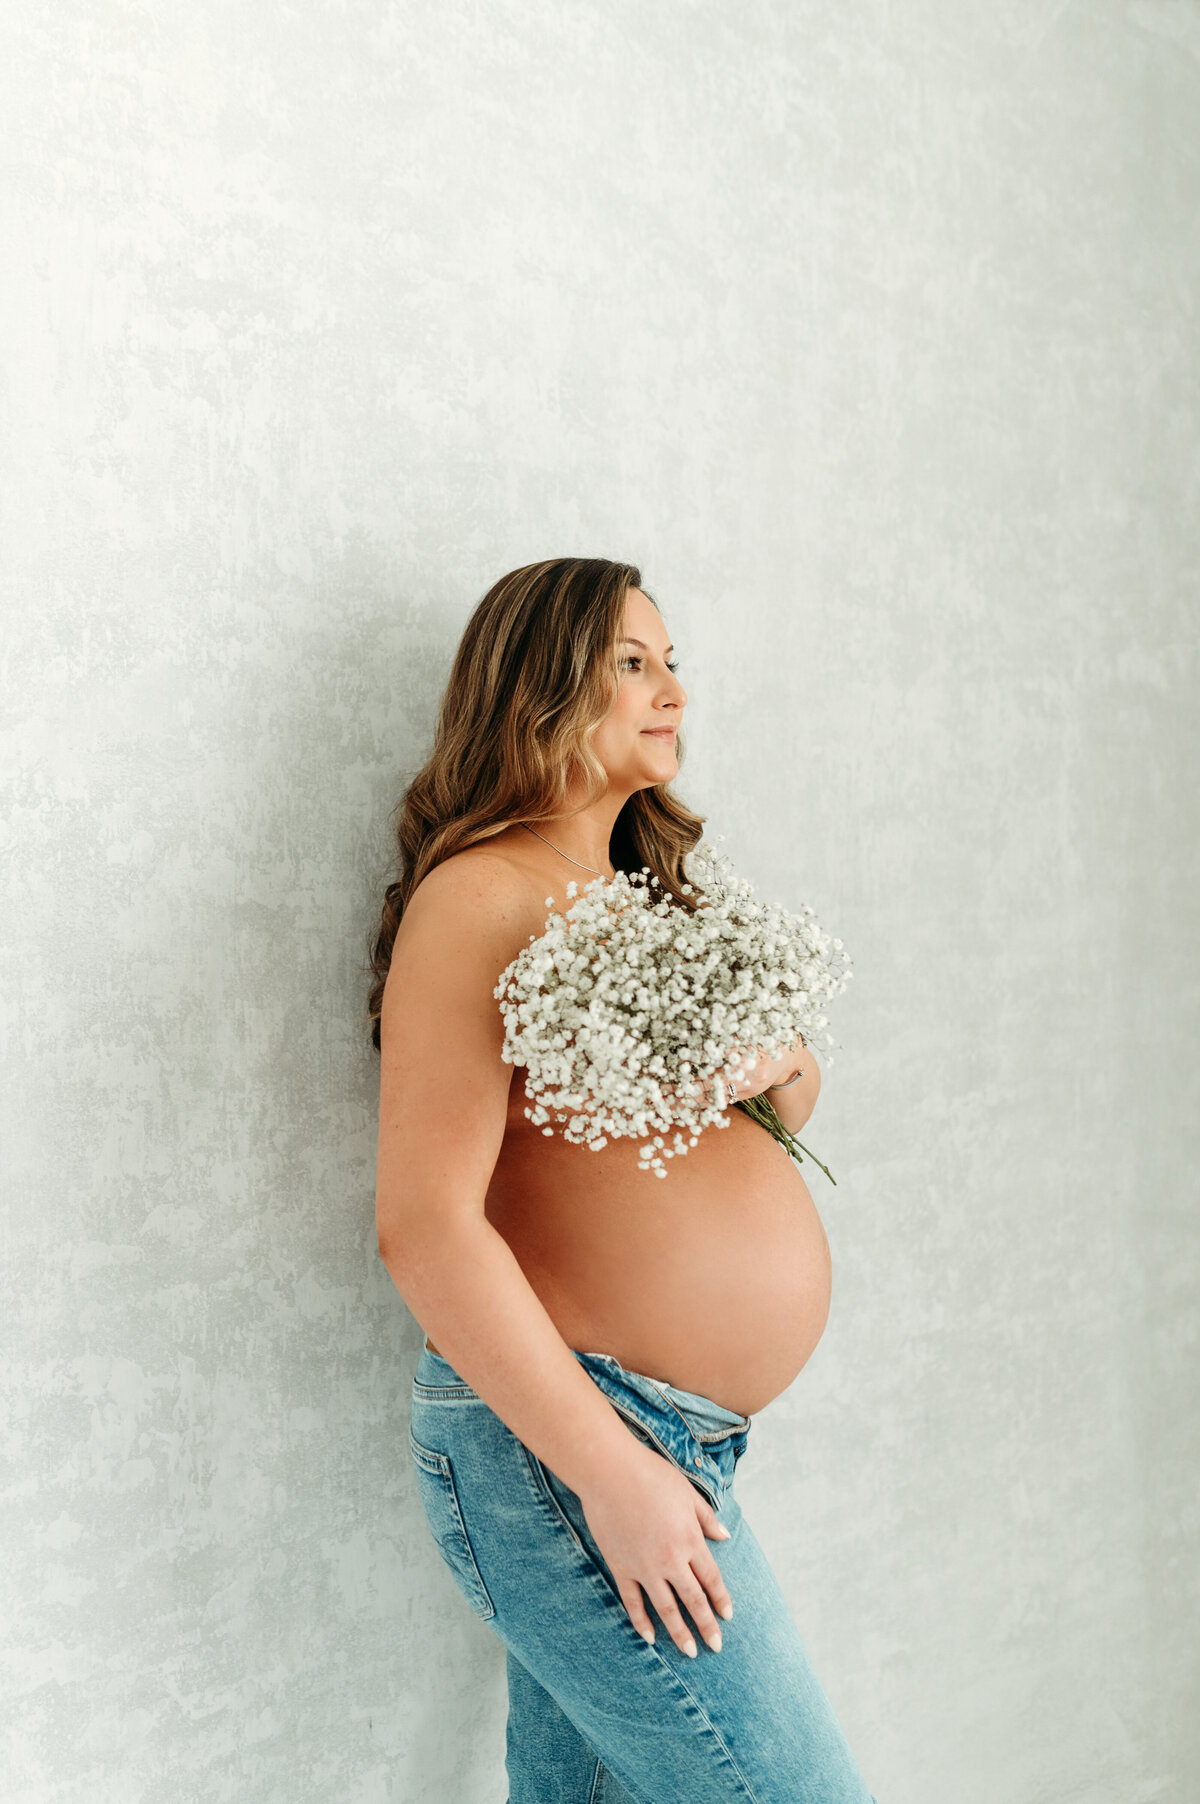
{"type": "Point", "coordinates": [762, 1111]}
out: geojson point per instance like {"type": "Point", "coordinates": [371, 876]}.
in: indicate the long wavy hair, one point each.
{"type": "Point", "coordinates": [535, 673]}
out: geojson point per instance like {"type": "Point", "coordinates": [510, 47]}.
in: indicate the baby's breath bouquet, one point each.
{"type": "Point", "coordinates": [627, 1010]}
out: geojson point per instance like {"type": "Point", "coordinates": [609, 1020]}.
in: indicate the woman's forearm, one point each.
{"type": "Point", "coordinates": [463, 1284]}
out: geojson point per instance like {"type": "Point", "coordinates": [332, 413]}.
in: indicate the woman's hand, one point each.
{"type": "Point", "coordinates": [652, 1526]}
{"type": "Point", "coordinates": [753, 1072]}
{"type": "Point", "coordinates": [750, 1073]}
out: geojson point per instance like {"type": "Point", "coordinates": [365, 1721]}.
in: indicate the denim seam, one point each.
{"type": "Point", "coordinates": [447, 1393]}
{"type": "Point", "coordinates": [702, 1713]}
{"type": "Point", "coordinates": [672, 1674]}
{"type": "Point", "coordinates": [545, 1495]}
{"type": "Point", "coordinates": [441, 1466]}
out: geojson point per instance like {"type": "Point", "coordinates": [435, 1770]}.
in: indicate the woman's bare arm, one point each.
{"type": "Point", "coordinates": [442, 1113]}
{"type": "Point", "coordinates": [442, 1110]}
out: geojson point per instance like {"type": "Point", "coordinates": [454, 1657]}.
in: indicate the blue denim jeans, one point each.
{"type": "Point", "coordinates": [597, 1715]}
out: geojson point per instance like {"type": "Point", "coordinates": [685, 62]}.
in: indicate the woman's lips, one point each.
{"type": "Point", "coordinates": [660, 732]}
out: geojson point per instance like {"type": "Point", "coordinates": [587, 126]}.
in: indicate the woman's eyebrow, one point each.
{"type": "Point", "coordinates": [642, 644]}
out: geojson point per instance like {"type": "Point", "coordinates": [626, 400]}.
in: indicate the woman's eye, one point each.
{"type": "Point", "coordinates": [630, 662]}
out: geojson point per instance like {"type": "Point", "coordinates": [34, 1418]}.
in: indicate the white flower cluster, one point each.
{"type": "Point", "coordinates": [627, 1008]}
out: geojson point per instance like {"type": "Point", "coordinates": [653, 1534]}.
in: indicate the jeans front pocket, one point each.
{"type": "Point", "coordinates": [439, 1500]}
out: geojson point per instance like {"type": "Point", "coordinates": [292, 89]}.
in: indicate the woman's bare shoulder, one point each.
{"type": "Point", "coordinates": [483, 886]}
{"type": "Point", "coordinates": [463, 925]}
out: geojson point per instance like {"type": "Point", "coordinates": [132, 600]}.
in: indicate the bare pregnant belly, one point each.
{"type": "Point", "coordinates": [715, 1279]}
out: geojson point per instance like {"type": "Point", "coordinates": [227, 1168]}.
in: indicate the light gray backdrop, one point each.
{"type": "Point", "coordinates": [871, 333]}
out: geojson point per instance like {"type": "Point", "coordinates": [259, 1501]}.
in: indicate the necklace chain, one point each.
{"type": "Point", "coordinates": [561, 853]}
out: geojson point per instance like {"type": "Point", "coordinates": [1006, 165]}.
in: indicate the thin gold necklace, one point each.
{"type": "Point", "coordinates": [561, 853]}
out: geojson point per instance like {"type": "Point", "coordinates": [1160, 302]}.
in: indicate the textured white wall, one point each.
{"type": "Point", "coordinates": [871, 332]}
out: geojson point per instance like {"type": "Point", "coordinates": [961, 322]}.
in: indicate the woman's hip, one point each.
{"type": "Point", "coordinates": [749, 1721]}
{"type": "Point", "coordinates": [503, 1520]}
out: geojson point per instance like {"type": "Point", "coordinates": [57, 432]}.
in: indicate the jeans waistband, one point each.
{"type": "Point", "coordinates": [708, 1421]}
{"type": "Point", "coordinates": [703, 1438]}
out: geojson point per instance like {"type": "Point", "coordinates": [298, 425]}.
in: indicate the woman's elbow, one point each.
{"type": "Point", "coordinates": [419, 1223]}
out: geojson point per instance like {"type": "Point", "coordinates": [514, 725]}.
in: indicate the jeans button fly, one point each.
{"type": "Point", "coordinates": [698, 1461]}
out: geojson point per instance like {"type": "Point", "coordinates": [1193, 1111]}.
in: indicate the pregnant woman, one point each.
{"type": "Point", "coordinates": [598, 1339]}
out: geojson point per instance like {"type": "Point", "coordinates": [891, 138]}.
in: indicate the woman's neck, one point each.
{"type": "Point", "coordinates": [583, 837]}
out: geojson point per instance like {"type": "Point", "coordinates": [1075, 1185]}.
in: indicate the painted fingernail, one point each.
{"type": "Point", "coordinates": [715, 1643]}
{"type": "Point", "coordinates": [647, 1635]}
{"type": "Point", "coordinates": [726, 1611]}
{"type": "Point", "coordinates": [689, 1648]}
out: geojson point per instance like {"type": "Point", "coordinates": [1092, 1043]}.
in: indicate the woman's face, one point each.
{"type": "Point", "coordinates": [635, 742]}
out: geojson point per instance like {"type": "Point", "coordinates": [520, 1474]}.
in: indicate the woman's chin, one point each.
{"type": "Point", "coordinates": [661, 769]}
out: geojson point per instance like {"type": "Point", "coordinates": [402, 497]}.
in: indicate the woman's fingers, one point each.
{"type": "Point", "coordinates": [709, 1575]}
{"type": "Point", "coordinates": [697, 1587]}
{"type": "Point", "coordinates": [664, 1601]}
{"type": "Point", "coordinates": [710, 1522]}
{"type": "Point", "coordinates": [631, 1596]}
{"type": "Point", "coordinates": [666, 1596]}
{"type": "Point", "coordinates": [693, 1595]}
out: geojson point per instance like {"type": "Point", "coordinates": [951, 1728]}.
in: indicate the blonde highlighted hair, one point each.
{"type": "Point", "coordinates": [535, 673]}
